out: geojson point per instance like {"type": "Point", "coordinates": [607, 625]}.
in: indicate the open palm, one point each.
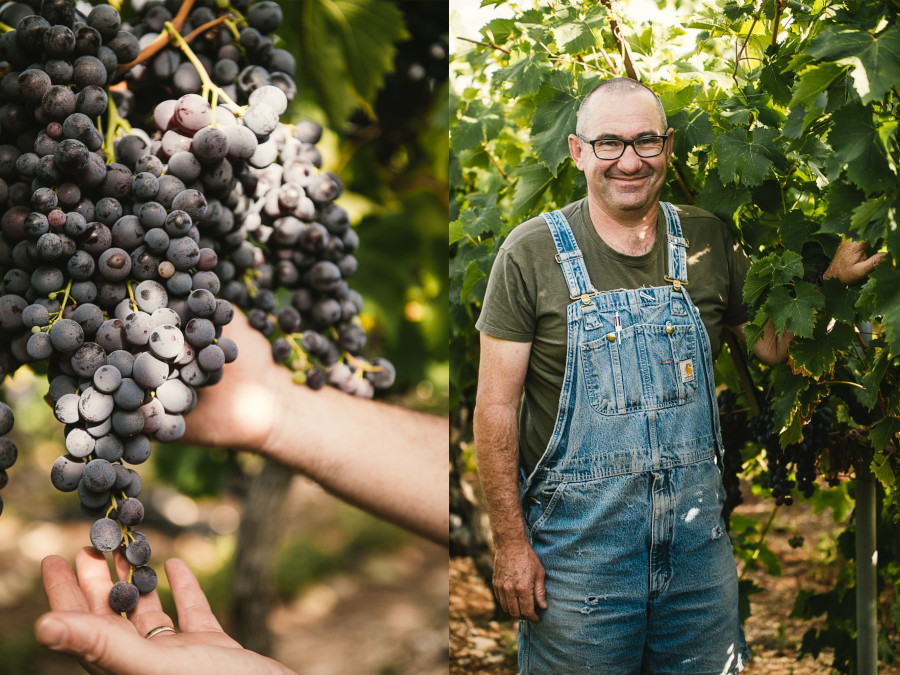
{"type": "Point", "coordinates": [82, 623]}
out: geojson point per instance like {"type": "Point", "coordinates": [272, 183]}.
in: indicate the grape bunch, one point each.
{"type": "Point", "coordinates": [8, 451]}
{"type": "Point", "coordinates": [124, 250]}
{"type": "Point", "coordinates": [797, 464]}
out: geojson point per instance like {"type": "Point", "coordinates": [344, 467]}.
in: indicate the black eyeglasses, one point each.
{"type": "Point", "coordinates": [613, 148]}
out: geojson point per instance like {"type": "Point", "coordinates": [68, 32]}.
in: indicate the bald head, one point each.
{"type": "Point", "coordinates": [607, 91]}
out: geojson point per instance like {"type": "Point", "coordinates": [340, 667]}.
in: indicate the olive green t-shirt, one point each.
{"type": "Point", "coordinates": [527, 297]}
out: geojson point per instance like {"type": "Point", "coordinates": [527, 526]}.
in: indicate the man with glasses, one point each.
{"type": "Point", "coordinates": [604, 492]}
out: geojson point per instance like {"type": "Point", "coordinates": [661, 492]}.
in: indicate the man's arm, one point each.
{"type": "Point", "coordinates": [850, 265]}
{"type": "Point", "coordinates": [385, 459]}
{"type": "Point", "coordinates": [518, 574]}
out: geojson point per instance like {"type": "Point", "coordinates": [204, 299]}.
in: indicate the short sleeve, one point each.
{"type": "Point", "coordinates": [508, 312]}
{"type": "Point", "coordinates": [738, 265]}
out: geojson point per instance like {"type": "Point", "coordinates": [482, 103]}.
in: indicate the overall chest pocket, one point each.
{"type": "Point", "coordinates": [642, 367]}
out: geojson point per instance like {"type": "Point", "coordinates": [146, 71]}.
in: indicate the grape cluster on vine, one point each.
{"type": "Point", "coordinates": [124, 249]}
{"type": "Point", "coordinates": [797, 464]}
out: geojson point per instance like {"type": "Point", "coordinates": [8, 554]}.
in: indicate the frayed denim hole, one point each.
{"type": "Point", "coordinates": [591, 604]}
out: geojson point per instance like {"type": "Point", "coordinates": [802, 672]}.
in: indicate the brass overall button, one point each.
{"type": "Point", "coordinates": [669, 327]}
{"type": "Point", "coordinates": [611, 337]}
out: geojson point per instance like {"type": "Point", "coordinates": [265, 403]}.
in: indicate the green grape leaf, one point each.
{"type": "Point", "coordinates": [755, 286]}
{"type": "Point", "coordinates": [473, 276]}
{"type": "Point", "coordinates": [794, 126]}
{"type": "Point", "coordinates": [574, 37]}
{"type": "Point", "coordinates": [817, 357]}
{"type": "Point", "coordinates": [499, 31]}
{"type": "Point", "coordinates": [856, 144]}
{"type": "Point", "coordinates": [884, 431]}
{"type": "Point", "coordinates": [840, 301]}
{"type": "Point", "coordinates": [722, 200]}
{"type": "Point", "coordinates": [796, 313]}
{"type": "Point", "coordinates": [881, 463]}
{"type": "Point", "coordinates": [872, 379]}
{"type": "Point", "coordinates": [842, 199]}
{"type": "Point", "coordinates": [787, 267]}
{"type": "Point", "coordinates": [346, 69]}
{"type": "Point", "coordinates": [551, 125]}
{"type": "Point", "coordinates": [744, 156]}
{"type": "Point", "coordinates": [777, 82]}
{"type": "Point", "coordinates": [876, 59]}
{"type": "Point", "coordinates": [786, 389]}
{"type": "Point", "coordinates": [812, 81]}
{"type": "Point", "coordinates": [456, 231]}
{"type": "Point", "coordinates": [532, 182]}
{"type": "Point", "coordinates": [796, 230]}
{"type": "Point", "coordinates": [675, 101]}
{"type": "Point", "coordinates": [524, 76]}
{"type": "Point", "coordinates": [476, 124]}
{"type": "Point", "coordinates": [883, 292]}
{"type": "Point", "coordinates": [836, 499]}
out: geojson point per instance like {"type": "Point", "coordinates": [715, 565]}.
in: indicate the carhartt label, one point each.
{"type": "Point", "coordinates": [687, 370]}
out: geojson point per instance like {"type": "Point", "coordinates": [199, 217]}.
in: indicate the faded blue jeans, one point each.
{"type": "Point", "coordinates": [624, 510]}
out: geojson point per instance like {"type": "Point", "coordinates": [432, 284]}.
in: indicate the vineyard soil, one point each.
{"type": "Point", "coordinates": [481, 644]}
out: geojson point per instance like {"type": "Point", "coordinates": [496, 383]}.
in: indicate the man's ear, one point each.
{"type": "Point", "coordinates": [576, 150]}
{"type": "Point", "coordinates": [670, 144]}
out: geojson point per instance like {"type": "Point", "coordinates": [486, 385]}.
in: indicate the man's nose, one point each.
{"type": "Point", "coordinates": [629, 162]}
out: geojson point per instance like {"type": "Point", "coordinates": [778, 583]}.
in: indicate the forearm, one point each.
{"type": "Point", "coordinates": [497, 453]}
{"type": "Point", "coordinates": [387, 460]}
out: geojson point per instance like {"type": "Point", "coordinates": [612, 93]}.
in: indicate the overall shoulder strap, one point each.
{"type": "Point", "coordinates": [569, 256]}
{"type": "Point", "coordinates": [677, 246]}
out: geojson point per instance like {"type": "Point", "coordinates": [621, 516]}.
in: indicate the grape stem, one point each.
{"type": "Point", "coordinates": [114, 125]}
{"type": "Point", "coordinates": [208, 85]}
{"type": "Point", "coordinates": [134, 305]}
{"type": "Point", "coordinates": [56, 316]}
{"type": "Point", "coordinates": [160, 42]}
{"type": "Point", "coordinates": [248, 278]}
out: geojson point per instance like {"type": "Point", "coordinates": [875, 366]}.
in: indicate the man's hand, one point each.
{"type": "Point", "coordinates": [242, 410]}
{"type": "Point", "coordinates": [82, 623]}
{"type": "Point", "coordinates": [850, 264]}
{"type": "Point", "coordinates": [519, 581]}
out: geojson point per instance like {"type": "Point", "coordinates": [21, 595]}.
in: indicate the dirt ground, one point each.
{"type": "Point", "coordinates": [482, 645]}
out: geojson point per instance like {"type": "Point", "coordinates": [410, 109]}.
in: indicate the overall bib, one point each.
{"type": "Point", "coordinates": [624, 509]}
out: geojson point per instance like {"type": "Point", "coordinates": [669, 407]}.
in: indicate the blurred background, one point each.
{"type": "Point", "coordinates": [351, 594]}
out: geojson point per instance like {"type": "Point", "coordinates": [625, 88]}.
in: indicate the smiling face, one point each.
{"type": "Point", "coordinates": [629, 185]}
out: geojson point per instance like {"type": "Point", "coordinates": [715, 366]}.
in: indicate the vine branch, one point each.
{"type": "Point", "coordinates": [494, 162]}
{"type": "Point", "coordinates": [486, 44]}
{"type": "Point", "coordinates": [160, 42]}
{"type": "Point", "coordinates": [623, 46]}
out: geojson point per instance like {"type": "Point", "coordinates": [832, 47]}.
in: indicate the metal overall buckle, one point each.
{"type": "Point", "coordinates": [675, 282]}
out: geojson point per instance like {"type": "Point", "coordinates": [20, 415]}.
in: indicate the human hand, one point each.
{"type": "Point", "coordinates": [850, 264]}
{"type": "Point", "coordinates": [241, 411]}
{"type": "Point", "coordinates": [82, 623]}
{"type": "Point", "coordinates": [519, 581]}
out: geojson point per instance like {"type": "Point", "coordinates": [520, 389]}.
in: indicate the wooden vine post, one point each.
{"type": "Point", "coordinates": [866, 571]}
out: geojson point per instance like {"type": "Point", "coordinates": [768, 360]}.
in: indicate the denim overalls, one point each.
{"type": "Point", "coordinates": [624, 508]}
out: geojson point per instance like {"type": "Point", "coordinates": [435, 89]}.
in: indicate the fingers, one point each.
{"type": "Point", "coordinates": [194, 614]}
{"type": "Point", "coordinates": [94, 579]}
{"type": "Point", "coordinates": [149, 612]}
{"type": "Point", "coordinates": [540, 591]}
{"type": "Point", "coordinates": [102, 643]}
{"type": "Point", "coordinates": [877, 258]}
{"type": "Point", "coordinates": [61, 586]}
